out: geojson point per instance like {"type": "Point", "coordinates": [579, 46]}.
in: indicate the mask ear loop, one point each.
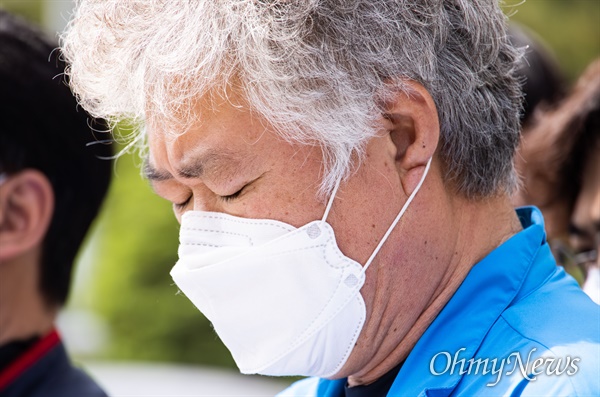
{"type": "Point", "coordinates": [395, 222]}
{"type": "Point", "coordinates": [330, 202]}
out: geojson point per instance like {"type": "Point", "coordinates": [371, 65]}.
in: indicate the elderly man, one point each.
{"type": "Point", "coordinates": [341, 172]}
{"type": "Point", "coordinates": [52, 184]}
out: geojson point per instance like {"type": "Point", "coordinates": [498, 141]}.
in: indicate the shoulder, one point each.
{"type": "Point", "coordinates": [558, 313]}
{"type": "Point", "coordinates": [303, 388]}
{"type": "Point", "coordinates": [547, 342]}
{"type": "Point", "coordinates": [59, 378]}
{"type": "Point", "coordinates": [72, 382]}
{"type": "Point", "coordinates": [557, 326]}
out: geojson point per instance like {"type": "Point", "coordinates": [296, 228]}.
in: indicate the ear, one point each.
{"type": "Point", "coordinates": [26, 206]}
{"type": "Point", "coordinates": [412, 122]}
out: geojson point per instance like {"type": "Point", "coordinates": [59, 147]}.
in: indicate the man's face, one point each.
{"type": "Point", "coordinates": [233, 162]}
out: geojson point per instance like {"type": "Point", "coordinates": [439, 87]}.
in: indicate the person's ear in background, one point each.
{"type": "Point", "coordinates": [52, 184]}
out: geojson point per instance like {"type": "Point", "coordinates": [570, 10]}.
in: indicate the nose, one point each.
{"type": "Point", "coordinates": [205, 200]}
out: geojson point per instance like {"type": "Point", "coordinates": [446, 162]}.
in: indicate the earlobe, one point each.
{"type": "Point", "coordinates": [26, 206]}
{"type": "Point", "coordinates": [413, 123]}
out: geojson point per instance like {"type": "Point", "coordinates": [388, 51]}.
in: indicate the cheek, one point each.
{"type": "Point", "coordinates": [360, 228]}
{"type": "Point", "coordinates": [289, 189]}
{"type": "Point", "coordinates": [283, 207]}
{"type": "Point", "coordinates": [284, 198]}
{"type": "Point", "coordinates": [364, 209]}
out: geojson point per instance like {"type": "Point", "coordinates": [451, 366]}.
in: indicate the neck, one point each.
{"type": "Point", "coordinates": [23, 311]}
{"type": "Point", "coordinates": [480, 227]}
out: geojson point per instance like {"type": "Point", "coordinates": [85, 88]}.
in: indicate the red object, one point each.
{"type": "Point", "coordinates": [27, 359]}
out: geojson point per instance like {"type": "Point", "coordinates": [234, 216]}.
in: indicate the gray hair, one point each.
{"type": "Point", "coordinates": [317, 70]}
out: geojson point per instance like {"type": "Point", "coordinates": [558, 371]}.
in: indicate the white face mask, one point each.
{"type": "Point", "coordinates": [284, 300]}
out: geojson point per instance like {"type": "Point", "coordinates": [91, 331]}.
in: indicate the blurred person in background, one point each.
{"type": "Point", "coordinates": [342, 173]}
{"type": "Point", "coordinates": [51, 187]}
{"type": "Point", "coordinates": [542, 80]}
{"type": "Point", "coordinates": [559, 160]}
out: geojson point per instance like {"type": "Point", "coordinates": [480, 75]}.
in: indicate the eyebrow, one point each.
{"type": "Point", "coordinates": [153, 174]}
{"type": "Point", "coordinates": [193, 167]}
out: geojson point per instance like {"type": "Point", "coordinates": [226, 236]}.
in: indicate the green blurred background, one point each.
{"type": "Point", "coordinates": [123, 274]}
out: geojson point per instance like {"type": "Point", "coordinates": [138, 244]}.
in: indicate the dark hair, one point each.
{"type": "Point", "coordinates": [566, 134]}
{"type": "Point", "coordinates": [42, 128]}
{"type": "Point", "coordinates": [558, 143]}
{"type": "Point", "coordinates": [542, 81]}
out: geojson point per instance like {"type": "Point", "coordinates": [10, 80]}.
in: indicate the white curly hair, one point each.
{"type": "Point", "coordinates": [317, 70]}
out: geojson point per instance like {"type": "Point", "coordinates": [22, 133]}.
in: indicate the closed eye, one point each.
{"type": "Point", "coordinates": [180, 206]}
{"type": "Point", "coordinates": [228, 198]}
{"type": "Point", "coordinates": [233, 196]}
{"type": "Point", "coordinates": [243, 189]}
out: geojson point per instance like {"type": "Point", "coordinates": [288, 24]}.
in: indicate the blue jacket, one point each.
{"type": "Point", "coordinates": [515, 307]}
{"type": "Point", "coordinates": [44, 370]}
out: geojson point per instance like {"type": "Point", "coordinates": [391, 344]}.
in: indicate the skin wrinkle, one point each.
{"type": "Point", "coordinates": [382, 328]}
